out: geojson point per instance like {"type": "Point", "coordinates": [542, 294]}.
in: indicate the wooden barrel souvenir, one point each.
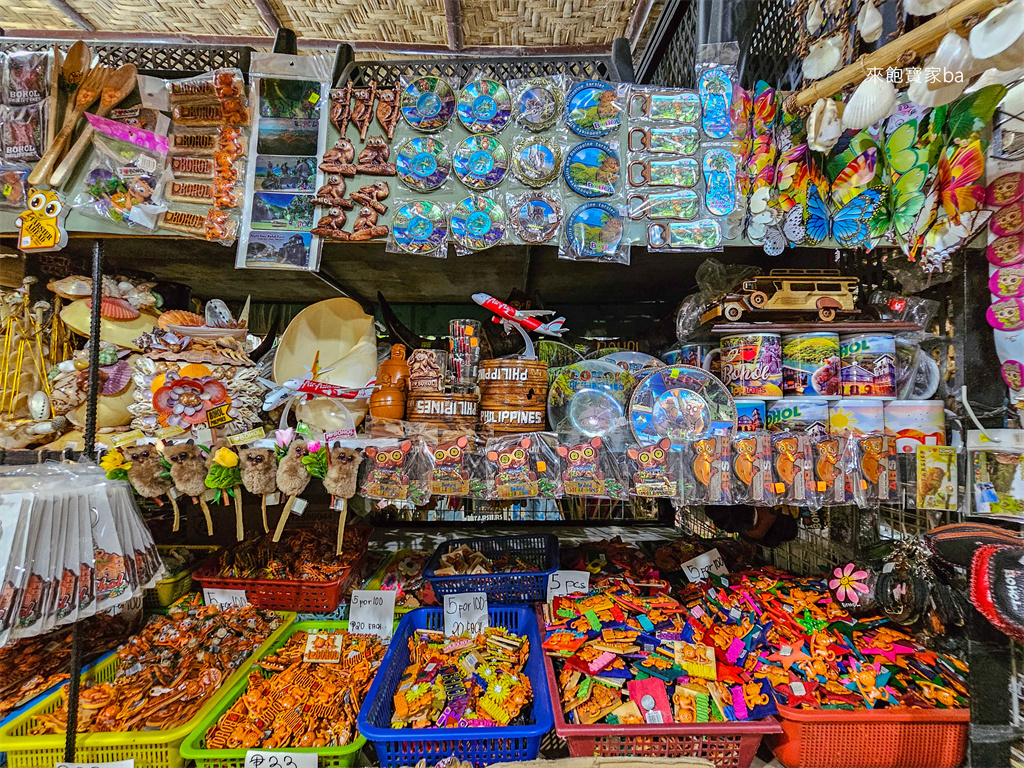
{"type": "Point", "coordinates": [513, 395]}
{"type": "Point", "coordinates": [445, 411]}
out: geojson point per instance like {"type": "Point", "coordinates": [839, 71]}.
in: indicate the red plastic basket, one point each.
{"type": "Point", "coordinates": [727, 745]}
{"type": "Point", "coordinates": [882, 738]}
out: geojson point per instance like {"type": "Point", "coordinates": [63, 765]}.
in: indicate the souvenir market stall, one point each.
{"type": "Point", "coordinates": [482, 408]}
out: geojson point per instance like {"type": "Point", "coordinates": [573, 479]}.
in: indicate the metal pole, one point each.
{"type": "Point", "coordinates": [94, 351]}
{"type": "Point", "coordinates": [76, 673]}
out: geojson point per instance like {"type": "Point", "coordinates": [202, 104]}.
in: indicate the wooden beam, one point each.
{"type": "Point", "coordinates": [637, 22]}
{"type": "Point", "coordinates": [72, 14]}
{"type": "Point", "coordinates": [314, 43]}
{"type": "Point", "coordinates": [453, 19]}
{"type": "Point", "coordinates": [270, 18]}
{"type": "Point", "coordinates": [921, 40]}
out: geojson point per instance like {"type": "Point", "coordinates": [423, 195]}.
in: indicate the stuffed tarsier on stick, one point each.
{"type": "Point", "coordinates": [188, 471]}
{"type": "Point", "coordinates": [340, 481]}
{"type": "Point", "coordinates": [259, 476]}
{"type": "Point", "coordinates": [292, 479]}
{"type": "Point", "coordinates": [225, 476]}
{"type": "Point", "coordinates": [145, 469]}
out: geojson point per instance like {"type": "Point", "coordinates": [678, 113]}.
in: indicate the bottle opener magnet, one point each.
{"type": "Point", "coordinates": [681, 140]}
{"type": "Point", "coordinates": [681, 172]}
{"type": "Point", "coordinates": [704, 234]}
{"type": "Point", "coordinates": [683, 204]}
{"type": "Point", "coordinates": [678, 105]}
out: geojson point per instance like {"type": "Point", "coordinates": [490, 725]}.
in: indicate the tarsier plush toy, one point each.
{"type": "Point", "coordinates": [292, 479]}
{"type": "Point", "coordinates": [340, 481]}
{"type": "Point", "coordinates": [147, 473]}
{"type": "Point", "coordinates": [188, 471]}
{"type": "Point", "coordinates": [259, 476]}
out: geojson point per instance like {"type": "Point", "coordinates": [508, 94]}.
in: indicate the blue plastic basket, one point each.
{"type": "Point", "coordinates": [480, 746]}
{"type": "Point", "coordinates": [539, 550]}
{"type": "Point", "coordinates": [49, 691]}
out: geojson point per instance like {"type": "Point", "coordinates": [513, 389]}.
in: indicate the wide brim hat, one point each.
{"type": "Point", "coordinates": [77, 316]}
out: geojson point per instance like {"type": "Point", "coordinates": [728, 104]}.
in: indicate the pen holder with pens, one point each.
{"type": "Point", "coordinates": [463, 355]}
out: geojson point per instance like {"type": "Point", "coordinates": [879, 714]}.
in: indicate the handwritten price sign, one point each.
{"type": "Point", "coordinates": [372, 612]}
{"type": "Point", "coordinates": [465, 614]}
{"type": "Point", "coordinates": [562, 583]}
{"type": "Point", "coordinates": [699, 567]}
{"type": "Point", "coordinates": [258, 758]}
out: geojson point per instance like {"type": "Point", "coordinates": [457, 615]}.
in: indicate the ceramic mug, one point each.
{"type": "Point", "coordinates": [868, 365]}
{"type": "Point", "coordinates": [915, 422]}
{"type": "Point", "coordinates": [799, 414]}
{"type": "Point", "coordinates": [688, 354]}
{"type": "Point", "coordinates": [752, 364]}
{"type": "Point", "coordinates": [810, 365]}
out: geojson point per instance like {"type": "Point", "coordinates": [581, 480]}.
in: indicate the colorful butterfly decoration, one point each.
{"type": "Point", "coordinates": [764, 209]}
{"type": "Point", "coordinates": [842, 199]}
{"type": "Point", "coordinates": [906, 173]}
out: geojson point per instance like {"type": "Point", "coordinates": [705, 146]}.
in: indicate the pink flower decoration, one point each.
{"type": "Point", "coordinates": [848, 583]}
{"type": "Point", "coordinates": [185, 401]}
{"type": "Point", "coordinates": [284, 436]}
{"type": "Point", "coordinates": [313, 447]}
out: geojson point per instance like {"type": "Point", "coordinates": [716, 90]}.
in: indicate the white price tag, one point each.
{"type": "Point", "coordinates": [699, 567]}
{"type": "Point", "coordinates": [562, 583]}
{"type": "Point", "coordinates": [259, 758]}
{"type": "Point", "coordinates": [126, 438]}
{"type": "Point", "coordinates": [465, 614]}
{"type": "Point", "coordinates": [299, 506]}
{"type": "Point", "coordinates": [117, 764]}
{"type": "Point", "coordinates": [372, 612]}
{"type": "Point", "coordinates": [204, 436]}
{"type": "Point", "coordinates": [247, 437]}
{"type": "Point", "coordinates": [225, 597]}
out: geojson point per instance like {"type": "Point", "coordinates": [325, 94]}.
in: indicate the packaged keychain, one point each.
{"type": "Point", "coordinates": [793, 459]}
{"type": "Point", "coordinates": [522, 466]}
{"type": "Point", "coordinates": [451, 473]}
{"type": "Point", "coordinates": [591, 469]}
{"type": "Point", "coordinates": [396, 470]}
{"type": "Point", "coordinates": [753, 481]}
{"type": "Point", "coordinates": [656, 470]}
{"type": "Point", "coordinates": [707, 472]}
{"type": "Point", "coordinates": [220, 85]}
{"type": "Point", "coordinates": [122, 181]}
{"type": "Point", "coordinates": [875, 469]}
{"type": "Point", "coordinates": [830, 470]}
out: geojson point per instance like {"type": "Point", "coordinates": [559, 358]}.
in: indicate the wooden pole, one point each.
{"type": "Point", "coordinates": [922, 40]}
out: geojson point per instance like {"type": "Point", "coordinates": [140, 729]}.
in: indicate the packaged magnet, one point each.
{"type": "Point", "coordinates": [23, 131]}
{"type": "Point", "coordinates": [831, 470]}
{"type": "Point", "coordinates": [419, 227]}
{"type": "Point", "coordinates": [656, 470]}
{"type": "Point", "coordinates": [214, 226]}
{"type": "Point", "coordinates": [452, 471]}
{"type": "Point", "coordinates": [716, 79]}
{"type": "Point", "coordinates": [26, 75]}
{"type": "Point", "coordinates": [793, 458]}
{"type": "Point", "coordinates": [122, 181]}
{"type": "Point", "coordinates": [538, 102]}
{"type": "Point", "coordinates": [595, 231]}
{"type": "Point", "coordinates": [594, 108]}
{"type": "Point", "coordinates": [218, 85]}
{"type": "Point", "coordinates": [875, 469]}
{"type": "Point", "coordinates": [593, 169]}
{"type": "Point", "coordinates": [704, 234]}
{"type": "Point", "coordinates": [591, 469]}
{"type": "Point", "coordinates": [533, 217]}
{"type": "Point", "coordinates": [14, 187]}
{"type": "Point", "coordinates": [753, 481]}
{"type": "Point", "coordinates": [478, 222]}
{"type": "Point", "coordinates": [427, 103]}
{"type": "Point", "coordinates": [522, 466]}
{"type": "Point", "coordinates": [707, 472]}
{"type": "Point", "coordinates": [660, 106]}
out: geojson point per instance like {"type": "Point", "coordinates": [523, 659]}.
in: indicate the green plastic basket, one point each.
{"type": "Point", "coordinates": [194, 746]}
{"type": "Point", "coordinates": [167, 591]}
{"type": "Point", "coordinates": [149, 749]}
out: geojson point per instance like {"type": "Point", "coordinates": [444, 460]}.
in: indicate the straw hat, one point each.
{"type": "Point", "coordinates": [344, 336]}
{"type": "Point", "coordinates": [120, 332]}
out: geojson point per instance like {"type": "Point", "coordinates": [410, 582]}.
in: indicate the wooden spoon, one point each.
{"type": "Point", "coordinates": [116, 87]}
{"type": "Point", "coordinates": [76, 63]}
{"type": "Point", "coordinates": [84, 97]}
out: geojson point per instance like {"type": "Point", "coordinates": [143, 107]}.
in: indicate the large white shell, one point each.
{"type": "Point", "coordinates": [873, 100]}
{"type": "Point", "coordinates": [823, 58]}
{"type": "Point", "coordinates": [953, 55]}
{"type": "Point", "coordinates": [39, 406]}
{"type": "Point", "coordinates": [924, 7]}
{"type": "Point", "coordinates": [993, 76]}
{"type": "Point", "coordinates": [998, 41]}
{"type": "Point", "coordinates": [824, 126]}
{"type": "Point", "coordinates": [919, 94]}
{"type": "Point", "coordinates": [1013, 104]}
{"type": "Point", "coordinates": [869, 22]}
{"type": "Point", "coordinates": [814, 17]}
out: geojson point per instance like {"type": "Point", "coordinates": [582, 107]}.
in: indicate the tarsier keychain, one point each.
{"type": "Point", "coordinates": [830, 471]}
{"type": "Point", "coordinates": [877, 460]}
{"type": "Point", "coordinates": [791, 464]}
{"type": "Point", "coordinates": [710, 464]}
{"type": "Point", "coordinates": [752, 468]}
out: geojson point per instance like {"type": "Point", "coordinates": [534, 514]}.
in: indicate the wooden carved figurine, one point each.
{"type": "Point", "coordinates": [362, 109]}
{"type": "Point", "coordinates": [332, 225]}
{"type": "Point", "coordinates": [388, 111]}
{"type": "Point", "coordinates": [340, 482]}
{"type": "Point", "coordinates": [388, 400]}
{"type": "Point", "coordinates": [372, 194]}
{"type": "Point", "coordinates": [341, 108]}
{"type": "Point", "coordinates": [373, 158]}
{"type": "Point", "coordinates": [188, 471]}
{"type": "Point", "coordinates": [332, 193]}
{"type": "Point", "coordinates": [365, 226]}
{"type": "Point", "coordinates": [338, 159]}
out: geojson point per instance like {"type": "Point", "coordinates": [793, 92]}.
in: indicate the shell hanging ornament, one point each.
{"type": "Point", "coordinates": [824, 126]}
{"type": "Point", "coordinates": [873, 100]}
{"type": "Point", "coordinates": [924, 7]}
{"type": "Point", "coordinates": [814, 17]}
{"type": "Point", "coordinates": [823, 58]}
{"type": "Point", "coordinates": [869, 22]}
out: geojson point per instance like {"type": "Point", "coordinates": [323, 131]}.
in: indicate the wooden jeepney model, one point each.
{"type": "Point", "coordinates": [824, 291]}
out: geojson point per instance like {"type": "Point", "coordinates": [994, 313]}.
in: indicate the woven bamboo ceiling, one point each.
{"type": "Point", "coordinates": [396, 26]}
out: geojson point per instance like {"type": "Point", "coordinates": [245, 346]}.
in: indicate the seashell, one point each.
{"type": "Point", "coordinates": [113, 308]}
{"type": "Point", "coordinates": [119, 376]}
{"type": "Point", "coordinates": [107, 356]}
{"type": "Point", "coordinates": [993, 76]}
{"type": "Point", "coordinates": [180, 317]}
{"type": "Point", "coordinates": [869, 22]}
{"type": "Point", "coordinates": [998, 41]}
{"type": "Point", "coordinates": [71, 288]}
{"type": "Point", "coordinates": [824, 126]}
{"type": "Point", "coordinates": [924, 7]}
{"type": "Point", "coordinates": [218, 315]}
{"type": "Point", "coordinates": [953, 55]}
{"type": "Point", "coordinates": [39, 405]}
{"type": "Point", "coordinates": [873, 100]}
{"type": "Point", "coordinates": [814, 17]}
{"type": "Point", "coordinates": [835, 7]}
{"type": "Point", "coordinates": [919, 94]}
{"type": "Point", "coordinates": [66, 366]}
{"type": "Point", "coordinates": [1013, 105]}
{"type": "Point", "coordinates": [823, 58]}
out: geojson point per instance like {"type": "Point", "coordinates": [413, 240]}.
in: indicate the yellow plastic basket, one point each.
{"type": "Point", "coordinates": [149, 749]}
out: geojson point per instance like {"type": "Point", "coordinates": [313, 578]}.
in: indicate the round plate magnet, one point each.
{"type": "Point", "coordinates": [535, 217]}
{"type": "Point", "coordinates": [423, 163]}
{"type": "Point", "coordinates": [481, 162]}
{"type": "Point", "coordinates": [1007, 282]}
{"type": "Point", "coordinates": [428, 104]}
{"type": "Point", "coordinates": [484, 106]}
{"type": "Point", "coordinates": [538, 103]}
{"type": "Point", "coordinates": [594, 231]}
{"type": "Point", "coordinates": [592, 109]}
{"type": "Point", "coordinates": [1008, 220]}
{"type": "Point", "coordinates": [592, 169]}
{"type": "Point", "coordinates": [420, 227]}
{"type": "Point", "coordinates": [478, 223]}
{"type": "Point", "coordinates": [536, 161]}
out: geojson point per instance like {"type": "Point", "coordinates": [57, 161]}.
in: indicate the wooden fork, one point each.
{"type": "Point", "coordinates": [84, 97]}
